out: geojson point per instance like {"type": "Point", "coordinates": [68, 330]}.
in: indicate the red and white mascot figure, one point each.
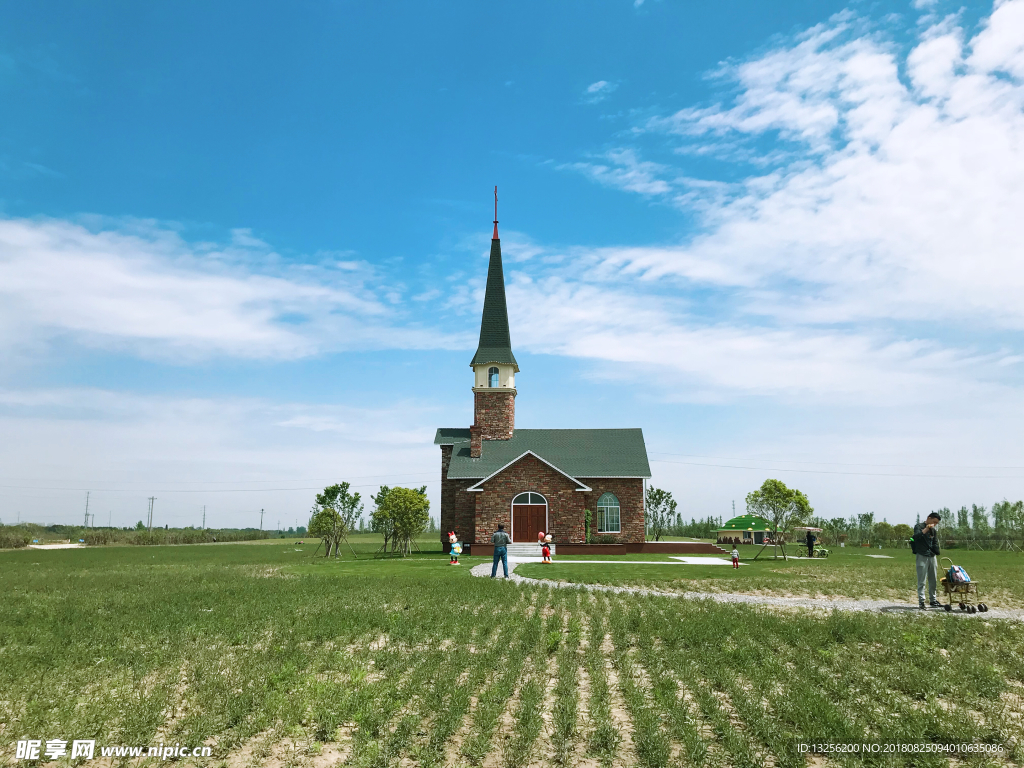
{"type": "Point", "coordinates": [545, 548]}
{"type": "Point", "coordinates": [456, 549]}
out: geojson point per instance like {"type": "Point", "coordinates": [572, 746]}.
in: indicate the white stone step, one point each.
{"type": "Point", "coordinates": [526, 549]}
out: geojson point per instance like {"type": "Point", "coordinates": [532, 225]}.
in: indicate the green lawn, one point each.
{"type": "Point", "coordinates": [279, 659]}
{"type": "Point", "coordinates": [847, 573]}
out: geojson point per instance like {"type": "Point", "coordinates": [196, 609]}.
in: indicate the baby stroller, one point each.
{"type": "Point", "coordinates": [957, 584]}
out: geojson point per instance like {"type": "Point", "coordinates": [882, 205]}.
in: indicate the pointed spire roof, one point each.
{"type": "Point", "coordinates": [495, 342]}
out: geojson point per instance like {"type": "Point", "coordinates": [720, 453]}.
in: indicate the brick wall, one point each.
{"type": "Point", "coordinates": [457, 506]}
{"type": "Point", "coordinates": [630, 492]}
{"type": "Point", "coordinates": [494, 411]}
{"type": "Point", "coordinates": [565, 503]}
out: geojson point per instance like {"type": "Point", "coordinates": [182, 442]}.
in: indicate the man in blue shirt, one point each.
{"type": "Point", "coordinates": [500, 540]}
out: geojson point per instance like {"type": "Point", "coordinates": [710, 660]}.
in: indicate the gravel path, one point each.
{"type": "Point", "coordinates": [823, 603]}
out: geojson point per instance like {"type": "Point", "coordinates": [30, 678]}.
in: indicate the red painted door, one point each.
{"type": "Point", "coordinates": [527, 521]}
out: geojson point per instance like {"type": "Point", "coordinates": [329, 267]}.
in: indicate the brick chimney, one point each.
{"type": "Point", "coordinates": [475, 442]}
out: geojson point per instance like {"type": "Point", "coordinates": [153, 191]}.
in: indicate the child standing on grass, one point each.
{"type": "Point", "coordinates": [735, 557]}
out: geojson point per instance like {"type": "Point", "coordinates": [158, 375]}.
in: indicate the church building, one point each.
{"type": "Point", "coordinates": [533, 480]}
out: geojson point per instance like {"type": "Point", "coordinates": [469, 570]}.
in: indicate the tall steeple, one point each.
{"type": "Point", "coordinates": [494, 365]}
{"type": "Point", "coordinates": [495, 341]}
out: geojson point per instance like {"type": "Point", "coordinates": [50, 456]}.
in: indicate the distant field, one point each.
{"type": "Point", "coordinates": [847, 573]}
{"type": "Point", "coordinates": [280, 660]}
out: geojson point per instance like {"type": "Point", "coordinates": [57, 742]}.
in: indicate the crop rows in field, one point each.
{"type": "Point", "coordinates": [309, 672]}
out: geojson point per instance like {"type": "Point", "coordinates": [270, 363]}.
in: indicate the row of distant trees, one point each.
{"type": "Point", "coordinates": [22, 534]}
{"type": "Point", "coordinates": [785, 508]}
{"type": "Point", "coordinates": [977, 526]}
{"type": "Point", "coordinates": [399, 515]}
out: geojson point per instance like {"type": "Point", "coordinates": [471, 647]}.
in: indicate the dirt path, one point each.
{"type": "Point", "coordinates": [820, 603]}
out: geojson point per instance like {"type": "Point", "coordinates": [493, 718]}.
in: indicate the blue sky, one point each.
{"type": "Point", "coordinates": [243, 249]}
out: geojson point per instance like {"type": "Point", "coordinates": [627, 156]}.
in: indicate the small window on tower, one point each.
{"type": "Point", "coordinates": [492, 377]}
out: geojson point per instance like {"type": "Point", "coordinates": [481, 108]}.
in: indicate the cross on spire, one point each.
{"type": "Point", "coordinates": [495, 235]}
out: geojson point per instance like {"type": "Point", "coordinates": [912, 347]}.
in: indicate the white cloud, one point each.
{"type": "Point", "coordinates": [622, 169]}
{"type": "Point", "coordinates": [876, 257]}
{"type": "Point", "coordinates": [599, 91]}
{"type": "Point", "coordinates": [224, 452]}
{"type": "Point", "coordinates": [142, 288]}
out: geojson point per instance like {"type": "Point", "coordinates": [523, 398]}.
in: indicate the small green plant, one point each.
{"type": "Point", "coordinates": [587, 517]}
{"type": "Point", "coordinates": [553, 640]}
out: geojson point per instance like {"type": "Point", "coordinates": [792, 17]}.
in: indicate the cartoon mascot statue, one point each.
{"type": "Point", "coordinates": [456, 549]}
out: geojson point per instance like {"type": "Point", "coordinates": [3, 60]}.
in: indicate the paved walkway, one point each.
{"type": "Point", "coordinates": [818, 603]}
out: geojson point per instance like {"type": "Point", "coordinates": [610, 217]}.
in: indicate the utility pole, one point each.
{"type": "Point", "coordinates": [204, 517]}
{"type": "Point", "coordinates": [110, 516]}
{"type": "Point", "coordinates": [87, 509]}
{"type": "Point", "coordinates": [734, 507]}
{"type": "Point", "coordinates": [151, 500]}
{"type": "Point", "coordinates": [261, 519]}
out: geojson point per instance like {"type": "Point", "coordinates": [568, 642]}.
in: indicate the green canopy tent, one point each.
{"type": "Point", "coordinates": [744, 529]}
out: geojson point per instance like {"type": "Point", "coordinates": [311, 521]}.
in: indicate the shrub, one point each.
{"type": "Point", "coordinates": [13, 540]}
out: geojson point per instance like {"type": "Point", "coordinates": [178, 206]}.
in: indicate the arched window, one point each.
{"type": "Point", "coordinates": [531, 498]}
{"type": "Point", "coordinates": [608, 514]}
{"type": "Point", "coordinates": [492, 377]}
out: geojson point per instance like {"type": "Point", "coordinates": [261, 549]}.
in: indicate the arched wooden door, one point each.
{"type": "Point", "coordinates": [529, 516]}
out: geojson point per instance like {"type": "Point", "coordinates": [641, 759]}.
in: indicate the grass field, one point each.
{"type": "Point", "coordinates": [278, 659]}
{"type": "Point", "coordinates": [847, 573]}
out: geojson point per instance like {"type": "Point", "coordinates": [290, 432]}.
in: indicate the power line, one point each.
{"type": "Point", "coordinates": [201, 490]}
{"type": "Point", "coordinates": [833, 463]}
{"type": "Point", "coordinates": [290, 479]}
{"type": "Point", "coordinates": [836, 472]}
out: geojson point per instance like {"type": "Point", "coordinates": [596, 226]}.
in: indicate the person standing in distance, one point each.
{"type": "Point", "coordinates": [500, 540]}
{"type": "Point", "coordinates": [926, 552]}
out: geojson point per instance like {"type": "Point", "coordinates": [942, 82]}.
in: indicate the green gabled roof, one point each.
{"type": "Point", "coordinates": [495, 342]}
{"type": "Point", "coordinates": [450, 435]}
{"type": "Point", "coordinates": [746, 523]}
{"type": "Point", "coordinates": [579, 453]}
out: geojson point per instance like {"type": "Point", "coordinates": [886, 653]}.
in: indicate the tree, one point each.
{"type": "Point", "coordinates": [882, 532]}
{"type": "Point", "coordinates": [782, 507]}
{"type": "Point", "coordinates": [140, 526]}
{"type": "Point", "coordinates": [979, 522]}
{"type": "Point", "coordinates": [334, 514]}
{"type": "Point", "coordinates": [325, 524]}
{"type": "Point", "coordinates": [902, 531]}
{"type": "Point", "coordinates": [833, 529]}
{"type": "Point", "coordinates": [963, 523]}
{"type": "Point", "coordinates": [660, 507]}
{"type": "Point", "coordinates": [1015, 519]}
{"type": "Point", "coordinates": [865, 523]}
{"type": "Point", "coordinates": [400, 514]}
